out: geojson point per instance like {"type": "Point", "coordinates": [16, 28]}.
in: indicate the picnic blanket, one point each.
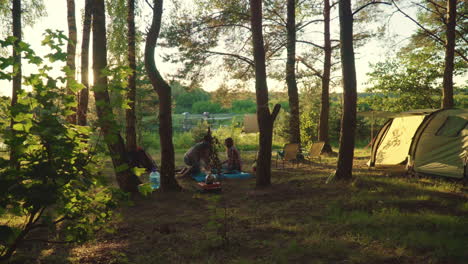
{"type": "Point", "coordinates": [200, 177]}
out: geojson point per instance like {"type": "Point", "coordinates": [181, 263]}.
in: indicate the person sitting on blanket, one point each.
{"type": "Point", "coordinates": [233, 163]}
{"type": "Point", "coordinates": [197, 158]}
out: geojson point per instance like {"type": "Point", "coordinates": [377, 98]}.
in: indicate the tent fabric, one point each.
{"type": "Point", "coordinates": [395, 145]}
{"type": "Point", "coordinates": [441, 146]}
{"type": "Point", "coordinates": [430, 142]}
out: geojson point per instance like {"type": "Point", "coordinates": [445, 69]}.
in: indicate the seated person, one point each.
{"type": "Point", "coordinates": [197, 158]}
{"type": "Point", "coordinates": [233, 163]}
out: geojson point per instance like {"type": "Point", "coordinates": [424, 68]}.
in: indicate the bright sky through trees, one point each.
{"type": "Point", "coordinates": [399, 28]}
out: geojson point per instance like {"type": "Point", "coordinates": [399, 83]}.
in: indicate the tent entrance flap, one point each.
{"type": "Point", "coordinates": [395, 146]}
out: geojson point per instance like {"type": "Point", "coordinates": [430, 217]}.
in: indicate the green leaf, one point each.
{"type": "Point", "coordinates": [122, 167]}
{"type": "Point", "coordinates": [68, 112]}
{"type": "Point", "coordinates": [22, 127]}
{"type": "Point", "coordinates": [145, 189]}
{"type": "Point", "coordinates": [138, 171]}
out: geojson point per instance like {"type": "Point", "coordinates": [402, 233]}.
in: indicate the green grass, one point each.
{"type": "Point", "coordinates": [381, 217]}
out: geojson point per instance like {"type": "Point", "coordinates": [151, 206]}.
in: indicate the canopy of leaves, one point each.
{"type": "Point", "coordinates": [406, 83]}
{"type": "Point", "coordinates": [31, 11]}
{"type": "Point", "coordinates": [432, 16]}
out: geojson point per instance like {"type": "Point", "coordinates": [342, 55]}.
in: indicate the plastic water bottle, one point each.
{"type": "Point", "coordinates": [155, 179]}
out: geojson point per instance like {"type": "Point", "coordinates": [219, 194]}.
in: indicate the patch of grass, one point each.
{"type": "Point", "coordinates": [381, 217]}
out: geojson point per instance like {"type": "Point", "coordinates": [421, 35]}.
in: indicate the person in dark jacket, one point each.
{"type": "Point", "coordinates": [197, 158]}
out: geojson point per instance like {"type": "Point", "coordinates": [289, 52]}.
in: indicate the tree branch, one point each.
{"type": "Point", "coordinates": [275, 112]}
{"type": "Point", "coordinates": [242, 58]}
{"type": "Point", "coordinates": [310, 43]}
{"type": "Point", "coordinates": [461, 36]}
{"type": "Point", "coordinates": [278, 15]}
{"type": "Point", "coordinates": [149, 4]}
{"type": "Point", "coordinates": [436, 5]}
{"type": "Point", "coordinates": [310, 67]}
{"type": "Point", "coordinates": [434, 36]}
{"type": "Point", "coordinates": [368, 4]}
{"type": "Point", "coordinates": [418, 24]}
{"type": "Point", "coordinates": [299, 26]}
{"type": "Point", "coordinates": [226, 25]}
{"type": "Point", "coordinates": [430, 10]}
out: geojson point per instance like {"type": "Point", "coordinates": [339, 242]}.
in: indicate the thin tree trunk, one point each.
{"type": "Point", "coordinates": [126, 179]}
{"type": "Point", "coordinates": [84, 93]}
{"type": "Point", "coordinates": [449, 55]}
{"type": "Point", "coordinates": [130, 113]}
{"type": "Point", "coordinates": [294, 130]}
{"type": "Point", "coordinates": [168, 181]}
{"type": "Point", "coordinates": [325, 99]}
{"type": "Point", "coordinates": [348, 120]}
{"type": "Point", "coordinates": [16, 16]}
{"type": "Point", "coordinates": [71, 51]}
{"type": "Point", "coordinates": [265, 119]}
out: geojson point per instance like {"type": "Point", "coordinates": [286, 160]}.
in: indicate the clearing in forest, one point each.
{"type": "Point", "coordinates": [381, 217]}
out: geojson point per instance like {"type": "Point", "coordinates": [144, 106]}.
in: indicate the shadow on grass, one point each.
{"type": "Point", "coordinates": [376, 219]}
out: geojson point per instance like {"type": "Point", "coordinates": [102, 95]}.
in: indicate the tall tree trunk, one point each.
{"type": "Point", "coordinates": [325, 98]}
{"type": "Point", "coordinates": [294, 130]}
{"type": "Point", "coordinates": [126, 179]}
{"type": "Point", "coordinates": [16, 16]}
{"type": "Point", "coordinates": [84, 93]}
{"type": "Point", "coordinates": [71, 51]}
{"type": "Point", "coordinates": [449, 54]}
{"type": "Point", "coordinates": [130, 113]}
{"type": "Point", "coordinates": [348, 120]}
{"type": "Point", "coordinates": [265, 119]}
{"type": "Point", "coordinates": [168, 181]}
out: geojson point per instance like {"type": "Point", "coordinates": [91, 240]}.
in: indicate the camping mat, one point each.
{"type": "Point", "coordinates": [199, 177]}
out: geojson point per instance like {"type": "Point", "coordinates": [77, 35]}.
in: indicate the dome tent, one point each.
{"type": "Point", "coordinates": [427, 141]}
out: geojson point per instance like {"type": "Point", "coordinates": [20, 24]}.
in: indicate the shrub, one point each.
{"type": "Point", "coordinates": [244, 106]}
{"type": "Point", "coordinates": [199, 131]}
{"type": "Point", "coordinates": [150, 141]}
{"type": "Point", "coordinates": [183, 140]}
{"type": "Point", "coordinates": [207, 106]}
{"type": "Point", "coordinates": [53, 179]}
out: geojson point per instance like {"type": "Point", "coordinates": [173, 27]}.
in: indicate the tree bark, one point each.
{"type": "Point", "coordinates": [325, 98]}
{"type": "Point", "coordinates": [131, 96]}
{"type": "Point", "coordinates": [16, 16]}
{"type": "Point", "coordinates": [71, 51]}
{"type": "Point", "coordinates": [449, 55]}
{"type": "Point", "coordinates": [84, 93]}
{"type": "Point", "coordinates": [348, 120]}
{"type": "Point", "coordinates": [162, 88]}
{"type": "Point", "coordinates": [265, 119]}
{"type": "Point", "coordinates": [126, 179]}
{"type": "Point", "coordinates": [294, 132]}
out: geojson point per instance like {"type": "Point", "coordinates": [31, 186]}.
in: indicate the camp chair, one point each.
{"type": "Point", "coordinates": [289, 153]}
{"type": "Point", "coordinates": [315, 151]}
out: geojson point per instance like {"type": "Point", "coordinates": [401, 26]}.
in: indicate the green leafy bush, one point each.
{"type": "Point", "coordinates": [244, 107]}
{"type": "Point", "coordinates": [183, 140]}
{"type": "Point", "coordinates": [207, 106]}
{"type": "Point", "coordinates": [52, 181]}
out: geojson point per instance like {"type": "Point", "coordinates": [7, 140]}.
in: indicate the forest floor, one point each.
{"type": "Point", "coordinates": [382, 216]}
